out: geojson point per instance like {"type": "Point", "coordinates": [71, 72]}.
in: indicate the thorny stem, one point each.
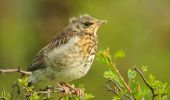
{"type": "Point", "coordinates": [15, 70]}
{"type": "Point", "coordinates": [117, 71]}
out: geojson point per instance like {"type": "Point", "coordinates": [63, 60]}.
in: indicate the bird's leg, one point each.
{"type": "Point", "coordinates": [74, 90]}
{"type": "Point", "coordinates": [77, 91]}
{"type": "Point", "coordinates": [63, 88]}
{"type": "Point", "coordinates": [67, 89]}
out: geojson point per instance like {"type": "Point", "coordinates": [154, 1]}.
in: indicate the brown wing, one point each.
{"type": "Point", "coordinates": [60, 39]}
{"type": "Point", "coordinates": [38, 61]}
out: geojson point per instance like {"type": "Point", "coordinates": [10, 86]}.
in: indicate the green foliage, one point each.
{"type": "Point", "coordinates": [119, 54]}
{"type": "Point", "coordinates": [28, 90]}
{"type": "Point", "coordinates": [30, 93]}
{"type": "Point", "coordinates": [104, 56]}
{"type": "Point", "coordinates": [111, 75]}
{"type": "Point", "coordinates": [138, 86]}
{"type": "Point", "coordinates": [131, 74]}
{"type": "Point", "coordinates": [144, 68]}
{"type": "Point", "coordinates": [88, 96]}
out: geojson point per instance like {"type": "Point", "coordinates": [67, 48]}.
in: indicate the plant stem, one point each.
{"type": "Point", "coordinates": [117, 71]}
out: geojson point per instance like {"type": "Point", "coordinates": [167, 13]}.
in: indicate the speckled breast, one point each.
{"type": "Point", "coordinates": [72, 60]}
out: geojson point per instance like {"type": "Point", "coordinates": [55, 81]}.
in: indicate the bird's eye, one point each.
{"type": "Point", "coordinates": [87, 24]}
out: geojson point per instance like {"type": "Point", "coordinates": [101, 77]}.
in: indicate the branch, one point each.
{"type": "Point", "coordinates": [117, 71]}
{"type": "Point", "coordinates": [119, 88]}
{"type": "Point", "coordinates": [15, 70]}
{"type": "Point", "coordinates": [144, 80]}
{"type": "Point", "coordinates": [115, 84]}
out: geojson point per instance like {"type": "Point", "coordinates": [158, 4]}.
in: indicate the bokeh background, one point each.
{"type": "Point", "coordinates": [140, 27]}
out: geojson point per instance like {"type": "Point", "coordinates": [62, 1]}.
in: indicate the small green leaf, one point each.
{"type": "Point", "coordinates": [151, 78]}
{"type": "Point", "coordinates": [109, 74]}
{"type": "Point", "coordinates": [34, 96]}
{"type": "Point", "coordinates": [20, 80]}
{"type": "Point", "coordinates": [88, 96]}
{"type": "Point", "coordinates": [119, 54]}
{"type": "Point", "coordinates": [104, 56]}
{"type": "Point", "coordinates": [131, 74]}
{"type": "Point", "coordinates": [144, 68]}
{"type": "Point", "coordinates": [116, 98]}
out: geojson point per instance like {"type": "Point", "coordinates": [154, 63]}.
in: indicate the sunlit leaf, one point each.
{"type": "Point", "coordinates": [104, 56]}
{"type": "Point", "coordinates": [88, 96]}
{"type": "Point", "coordinates": [109, 74]}
{"type": "Point", "coordinates": [119, 54]}
{"type": "Point", "coordinates": [144, 68]}
{"type": "Point", "coordinates": [131, 74]}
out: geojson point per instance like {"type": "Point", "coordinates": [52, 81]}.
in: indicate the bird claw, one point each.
{"type": "Point", "coordinates": [78, 92]}
{"type": "Point", "coordinates": [67, 89]}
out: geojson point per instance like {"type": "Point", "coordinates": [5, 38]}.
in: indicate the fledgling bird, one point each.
{"type": "Point", "coordinates": [70, 54]}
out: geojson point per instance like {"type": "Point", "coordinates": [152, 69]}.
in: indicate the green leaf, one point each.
{"type": "Point", "coordinates": [88, 96]}
{"type": "Point", "coordinates": [131, 74]}
{"type": "Point", "coordinates": [119, 54]}
{"type": "Point", "coordinates": [151, 78]}
{"type": "Point", "coordinates": [104, 56]}
{"type": "Point", "coordinates": [168, 90]}
{"type": "Point", "coordinates": [116, 98]}
{"type": "Point", "coordinates": [20, 80]}
{"type": "Point", "coordinates": [34, 96]}
{"type": "Point", "coordinates": [109, 74]}
{"type": "Point", "coordinates": [144, 68]}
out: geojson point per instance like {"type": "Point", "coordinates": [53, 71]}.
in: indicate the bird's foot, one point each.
{"type": "Point", "coordinates": [77, 91]}
{"type": "Point", "coordinates": [68, 89]}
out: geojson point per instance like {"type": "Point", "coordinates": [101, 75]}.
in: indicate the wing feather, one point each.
{"type": "Point", "coordinates": [60, 39]}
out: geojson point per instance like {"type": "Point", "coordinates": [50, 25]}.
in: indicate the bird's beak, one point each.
{"type": "Point", "coordinates": [100, 22]}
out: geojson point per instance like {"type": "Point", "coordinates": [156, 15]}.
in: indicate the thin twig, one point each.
{"type": "Point", "coordinates": [15, 70]}
{"type": "Point", "coordinates": [110, 89]}
{"type": "Point", "coordinates": [117, 71]}
{"type": "Point", "coordinates": [119, 88]}
{"type": "Point", "coordinates": [144, 80]}
{"type": "Point", "coordinates": [116, 85]}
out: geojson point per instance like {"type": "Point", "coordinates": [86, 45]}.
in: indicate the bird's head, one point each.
{"type": "Point", "coordinates": [86, 23]}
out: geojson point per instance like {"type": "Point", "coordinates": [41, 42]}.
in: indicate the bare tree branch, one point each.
{"type": "Point", "coordinates": [15, 70]}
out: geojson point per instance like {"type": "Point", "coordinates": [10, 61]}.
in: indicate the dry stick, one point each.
{"type": "Point", "coordinates": [15, 70]}
{"type": "Point", "coordinates": [117, 71]}
{"type": "Point", "coordinates": [147, 84]}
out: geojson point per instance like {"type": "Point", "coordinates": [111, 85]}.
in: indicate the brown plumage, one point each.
{"type": "Point", "coordinates": [70, 54]}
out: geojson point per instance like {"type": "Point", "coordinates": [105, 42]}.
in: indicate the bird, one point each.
{"type": "Point", "coordinates": [70, 54]}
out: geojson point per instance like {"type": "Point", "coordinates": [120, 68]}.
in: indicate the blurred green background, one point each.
{"type": "Point", "coordinates": [140, 27]}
